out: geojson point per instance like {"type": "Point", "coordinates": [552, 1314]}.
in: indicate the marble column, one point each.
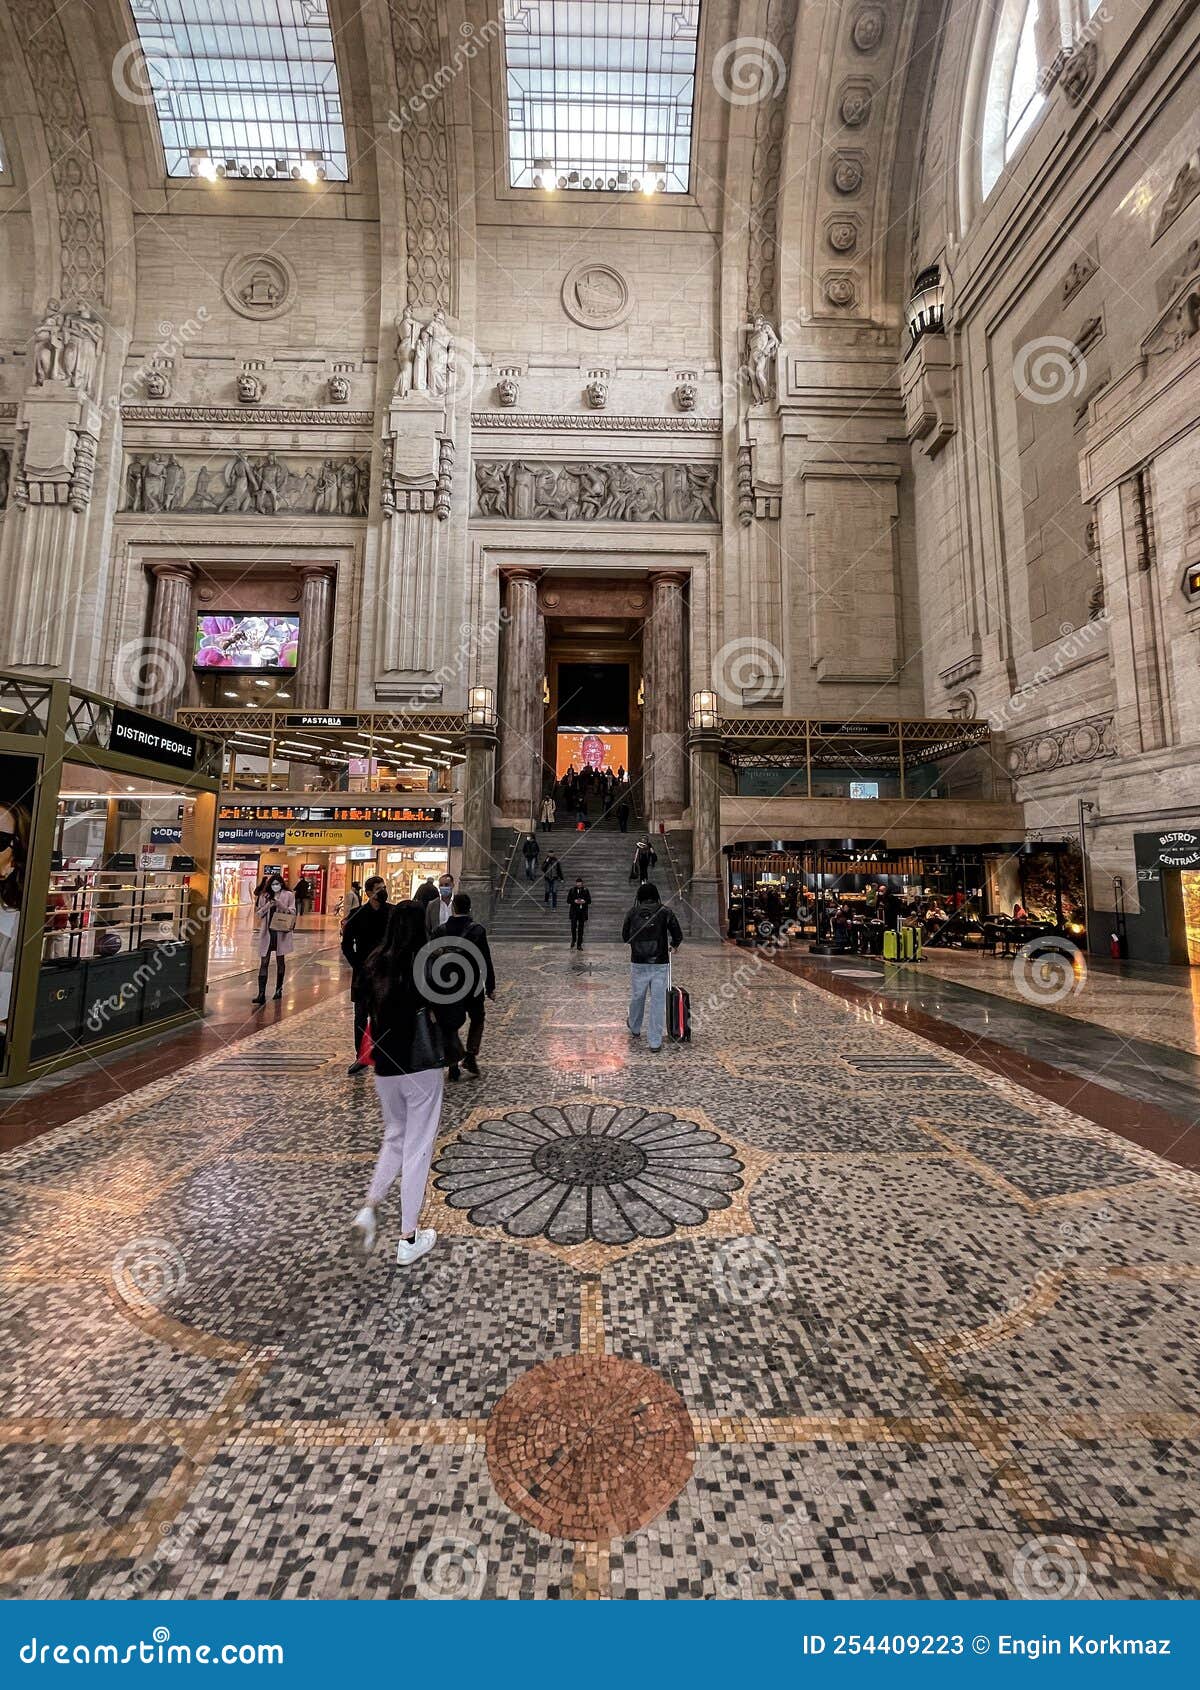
{"type": "Point", "coordinates": [478, 781]}
{"type": "Point", "coordinates": [705, 891]}
{"type": "Point", "coordinates": [316, 635]}
{"type": "Point", "coordinates": [521, 698]}
{"type": "Point", "coordinates": [167, 660]}
{"type": "Point", "coordinates": [665, 721]}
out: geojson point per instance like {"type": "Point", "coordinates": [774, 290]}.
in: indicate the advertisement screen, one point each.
{"type": "Point", "coordinates": [239, 640]}
{"type": "Point", "coordinates": [18, 778]}
{"type": "Point", "coordinates": [596, 750]}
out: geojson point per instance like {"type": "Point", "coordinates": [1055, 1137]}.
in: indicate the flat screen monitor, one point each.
{"type": "Point", "coordinates": [237, 639]}
{"type": "Point", "coordinates": [596, 748]}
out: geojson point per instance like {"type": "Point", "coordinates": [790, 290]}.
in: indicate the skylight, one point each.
{"type": "Point", "coordinates": [600, 93]}
{"type": "Point", "coordinates": [245, 89]}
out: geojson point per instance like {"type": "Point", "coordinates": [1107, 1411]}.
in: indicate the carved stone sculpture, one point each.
{"type": "Point", "coordinates": [249, 388]}
{"type": "Point", "coordinates": [406, 352]}
{"type": "Point", "coordinates": [596, 393]}
{"type": "Point", "coordinates": [685, 393]}
{"type": "Point", "coordinates": [158, 384]}
{"type": "Point", "coordinates": [433, 359]}
{"type": "Point", "coordinates": [1078, 71]}
{"type": "Point", "coordinates": [173, 484]}
{"type": "Point", "coordinates": [66, 347]}
{"type": "Point", "coordinates": [1184, 189]}
{"type": "Point", "coordinates": [597, 492]}
{"type": "Point", "coordinates": [339, 390]}
{"type": "Point", "coordinates": [508, 390]}
{"type": "Point", "coordinates": [762, 347]}
{"type": "Point", "coordinates": [261, 486]}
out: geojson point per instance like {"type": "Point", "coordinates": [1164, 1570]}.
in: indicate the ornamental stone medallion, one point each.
{"type": "Point", "coordinates": [259, 285]}
{"type": "Point", "coordinates": [591, 1179]}
{"type": "Point", "coordinates": [596, 296]}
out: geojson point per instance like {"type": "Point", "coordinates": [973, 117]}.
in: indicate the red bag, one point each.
{"type": "Point", "coordinates": [366, 1050]}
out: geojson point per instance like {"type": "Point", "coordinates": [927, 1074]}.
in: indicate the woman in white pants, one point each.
{"type": "Point", "coordinates": [408, 1049]}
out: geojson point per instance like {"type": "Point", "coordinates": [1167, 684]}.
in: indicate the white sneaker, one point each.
{"type": "Point", "coordinates": [363, 1229]}
{"type": "Point", "coordinates": [422, 1244]}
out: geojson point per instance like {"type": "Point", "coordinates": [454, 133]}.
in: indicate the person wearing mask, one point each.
{"type": "Point", "coordinates": [481, 975]}
{"type": "Point", "coordinates": [551, 875]}
{"type": "Point", "coordinates": [549, 810]}
{"type": "Point", "coordinates": [276, 913]}
{"type": "Point", "coordinates": [530, 850]}
{"type": "Point", "coordinates": [409, 1053]}
{"type": "Point", "coordinates": [437, 910]}
{"type": "Point", "coordinates": [363, 931]}
{"type": "Point", "coordinates": [578, 900]}
{"type": "Point", "coordinates": [652, 933]}
{"type": "Point", "coordinates": [623, 815]}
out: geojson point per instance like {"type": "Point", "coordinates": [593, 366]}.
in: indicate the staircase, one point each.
{"type": "Point", "coordinates": [602, 855]}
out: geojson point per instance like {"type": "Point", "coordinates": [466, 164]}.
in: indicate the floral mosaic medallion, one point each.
{"type": "Point", "coordinates": [588, 1172]}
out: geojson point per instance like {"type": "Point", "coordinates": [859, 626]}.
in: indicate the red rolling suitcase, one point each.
{"type": "Point", "coordinates": [679, 1011]}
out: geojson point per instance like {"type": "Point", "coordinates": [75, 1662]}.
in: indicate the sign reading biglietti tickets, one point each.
{"type": "Point", "coordinates": [144, 736]}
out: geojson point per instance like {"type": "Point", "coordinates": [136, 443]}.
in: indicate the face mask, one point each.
{"type": "Point", "coordinates": [446, 892]}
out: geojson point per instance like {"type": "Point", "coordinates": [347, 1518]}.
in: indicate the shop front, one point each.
{"type": "Point", "coordinates": [1167, 929]}
{"type": "Point", "coordinates": [103, 925]}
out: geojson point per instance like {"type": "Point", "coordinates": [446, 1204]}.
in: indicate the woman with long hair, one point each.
{"type": "Point", "coordinates": [276, 912]}
{"type": "Point", "coordinates": [408, 1048]}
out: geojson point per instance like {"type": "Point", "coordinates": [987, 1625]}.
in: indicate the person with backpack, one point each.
{"type": "Point", "coordinates": [578, 899]}
{"type": "Point", "coordinates": [652, 932]}
{"type": "Point", "coordinates": [531, 851]}
{"type": "Point", "coordinates": [363, 931]}
{"type": "Point", "coordinates": [552, 874]}
{"type": "Point", "coordinates": [409, 1052]}
{"type": "Point", "coordinates": [479, 973]}
{"type": "Point", "coordinates": [644, 859]}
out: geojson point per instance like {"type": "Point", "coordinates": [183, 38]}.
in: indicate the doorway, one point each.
{"type": "Point", "coordinates": [592, 708]}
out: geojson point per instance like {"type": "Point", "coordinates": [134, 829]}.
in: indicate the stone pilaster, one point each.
{"type": "Point", "coordinates": [705, 891]}
{"type": "Point", "coordinates": [170, 655]}
{"type": "Point", "coordinates": [665, 657]}
{"type": "Point", "coordinates": [479, 775]}
{"type": "Point", "coordinates": [523, 665]}
{"type": "Point", "coordinates": [316, 635]}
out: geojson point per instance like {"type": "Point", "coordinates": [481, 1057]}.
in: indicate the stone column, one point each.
{"type": "Point", "coordinates": [479, 774]}
{"type": "Point", "coordinates": [665, 720]}
{"type": "Point", "coordinates": [316, 635]}
{"type": "Point", "coordinates": [521, 697]}
{"type": "Point", "coordinates": [168, 658]}
{"type": "Point", "coordinates": [705, 891]}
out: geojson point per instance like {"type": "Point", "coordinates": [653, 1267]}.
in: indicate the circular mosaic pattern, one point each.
{"type": "Point", "coordinates": [590, 1447]}
{"type": "Point", "coordinates": [588, 1171]}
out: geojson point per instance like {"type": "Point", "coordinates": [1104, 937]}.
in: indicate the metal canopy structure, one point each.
{"type": "Point", "coordinates": [332, 739]}
{"type": "Point", "coordinates": [888, 743]}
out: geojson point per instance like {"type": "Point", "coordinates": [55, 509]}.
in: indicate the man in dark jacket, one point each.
{"type": "Point", "coordinates": [478, 971]}
{"type": "Point", "coordinates": [362, 932]}
{"type": "Point", "coordinates": [578, 899]}
{"type": "Point", "coordinates": [644, 859]}
{"type": "Point", "coordinates": [651, 932]}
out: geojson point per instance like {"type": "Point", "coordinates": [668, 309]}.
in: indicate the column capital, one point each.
{"type": "Point", "coordinates": [521, 572]}
{"type": "Point", "coordinates": [315, 571]}
{"type": "Point", "coordinates": [667, 577]}
{"type": "Point", "coordinates": [167, 569]}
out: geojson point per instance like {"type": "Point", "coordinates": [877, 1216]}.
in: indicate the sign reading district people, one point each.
{"type": "Point", "coordinates": [144, 736]}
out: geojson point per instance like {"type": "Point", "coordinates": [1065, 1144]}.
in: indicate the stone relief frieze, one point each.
{"type": "Point", "coordinates": [264, 417]}
{"type": "Point", "coordinates": [597, 492]}
{"type": "Point", "coordinates": [570, 421]}
{"type": "Point", "coordinates": [246, 485]}
{"type": "Point", "coordinates": [259, 285]}
{"type": "Point", "coordinates": [597, 295]}
{"type": "Point", "coordinates": [1079, 273]}
{"type": "Point", "coordinates": [767, 164]}
{"type": "Point", "coordinates": [1085, 741]}
{"type": "Point", "coordinates": [1079, 71]}
{"type": "Point", "coordinates": [66, 347]}
{"type": "Point", "coordinates": [1182, 192]}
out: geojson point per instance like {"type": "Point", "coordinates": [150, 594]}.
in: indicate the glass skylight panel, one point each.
{"type": "Point", "coordinates": [600, 93]}
{"type": "Point", "coordinates": [1025, 99]}
{"type": "Point", "coordinates": [248, 87]}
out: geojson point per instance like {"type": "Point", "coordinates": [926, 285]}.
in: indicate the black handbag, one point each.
{"type": "Point", "coordinates": [428, 1048]}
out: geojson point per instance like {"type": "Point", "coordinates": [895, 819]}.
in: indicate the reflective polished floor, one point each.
{"type": "Point", "coordinates": [813, 1306]}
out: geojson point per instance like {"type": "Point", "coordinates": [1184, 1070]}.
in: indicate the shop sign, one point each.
{"type": "Point", "coordinates": [1179, 850]}
{"type": "Point", "coordinates": [261, 835]}
{"type": "Point", "coordinates": [855, 730]}
{"type": "Point", "coordinates": [319, 719]}
{"type": "Point", "coordinates": [166, 836]}
{"type": "Point", "coordinates": [362, 854]}
{"type": "Point", "coordinates": [314, 838]}
{"type": "Point", "coordinates": [144, 736]}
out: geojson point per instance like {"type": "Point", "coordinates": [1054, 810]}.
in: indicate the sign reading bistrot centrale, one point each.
{"type": "Point", "coordinates": [144, 736]}
{"type": "Point", "coordinates": [1179, 850]}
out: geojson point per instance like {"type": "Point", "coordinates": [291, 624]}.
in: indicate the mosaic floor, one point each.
{"type": "Point", "coordinates": [807, 1308]}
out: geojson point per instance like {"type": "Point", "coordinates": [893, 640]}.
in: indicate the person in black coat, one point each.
{"type": "Point", "coordinates": [644, 859]}
{"type": "Point", "coordinates": [409, 1053]}
{"type": "Point", "coordinates": [479, 978]}
{"type": "Point", "coordinates": [531, 851]}
{"type": "Point", "coordinates": [578, 899]}
{"type": "Point", "coordinates": [363, 931]}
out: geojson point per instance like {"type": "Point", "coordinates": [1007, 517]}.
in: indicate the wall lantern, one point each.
{"type": "Point", "coordinates": [925, 312]}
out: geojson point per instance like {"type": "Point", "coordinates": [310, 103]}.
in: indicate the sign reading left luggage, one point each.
{"type": "Point", "coordinates": [145, 736]}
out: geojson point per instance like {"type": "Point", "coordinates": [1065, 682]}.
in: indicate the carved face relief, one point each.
{"type": "Point", "coordinates": [685, 396]}
{"type": "Point", "coordinates": [339, 390]}
{"type": "Point", "coordinates": [158, 384]}
{"type": "Point", "coordinates": [508, 391]}
{"type": "Point", "coordinates": [249, 388]}
{"type": "Point", "coordinates": [597, 394]}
